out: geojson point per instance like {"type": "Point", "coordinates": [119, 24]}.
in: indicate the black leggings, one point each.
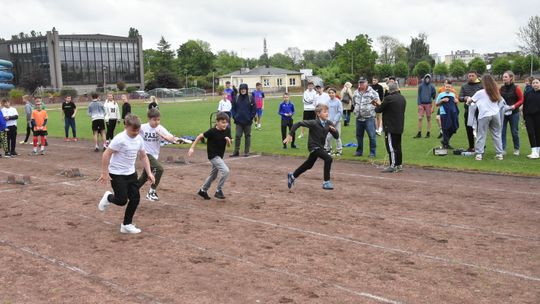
{"type": "Point", "coordinates": [308, 164]}
{"type": "Point", "coordinates": [532, 123]}
{"type": "Point", "coordinates": [12, 139]}
{"type": "Point", "coordinates": [28, 130]}
{"type": "Point", "coordinates": [111, 125]}
{"type": "Point", "coordinates": [126, 191]}
{"type": "Point", "coordinates": [284, 125]}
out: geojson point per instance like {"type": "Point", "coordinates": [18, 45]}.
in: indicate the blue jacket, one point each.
{"type": "Point", "coordinates": [243, 110]}
{"type": "Point", "coordinates": [286, 108]}
{"type": "Point", "coordinates": [426, 91]}
{"type": "Point", "coordinates": [2, 123]}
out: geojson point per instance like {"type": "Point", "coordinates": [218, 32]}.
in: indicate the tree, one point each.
{"type": "Point", "coordinates": [280, 60]}
{"type": "Point", "coordinates": [133, 32]}
{"type": "Point", "coordinates": [401, 69]}
{"type": "Point", "coordinates": [331, 74]}
{"type": "Point", "coordinates": [316, 59]}
{"type": "Point", "coordinates": [31, 81]}
{"type": "Point", "coordinates": [384, 70]}
{"type": "Point", "coordinates": [457, 68]}
{"type": "Point", "coordinates": [226, 62]}
{"type": "Point", "coordinates": [500, 65]}
{"type": "Point", "coordinates": [418, 50]}
{"type": "Point", "coordinates": [478, 65]}
{"type": "Point", "coordinates": [160, 60]}
{"type": "Point", "coordinates": [356, 56]}
{"type": "Point", "coordinates": [529, 35]}
{"type": "Point", "coordinates": [195, 58]}
{"type": "Point", "coordinates": [421, 68]}
{"type": "Point", "coordinates": [441, 69]}
{"type": "Point", "coordinates": [164, 80]}
{"type": "Point", "coordinates": [264, 60]}
{"type": "Point", "coordinates": [295, 55]}
{"type": "Point", "coordinates": [388, 49]}
{"type": "Point", "coordinates": [520, 65]}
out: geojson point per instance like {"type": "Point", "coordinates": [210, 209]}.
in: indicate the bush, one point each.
{"type": "Point", "coordinates": [131, 89]}
{"type": "Point", "coordinates": [15, 95]}
{"type": "Point", "coordinates": [121, 85]}
{"type": "Point", "coordinates": [68, 91]}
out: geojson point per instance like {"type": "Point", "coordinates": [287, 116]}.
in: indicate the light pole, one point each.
{"type": "Point", "coordinates": [103, 70]}
{"type": "Point", "coordinates": [186, 78]}
{"type": "Point", "coordinates": [213, 82]}
{"type": "Point", "coordinates": [531, 64]}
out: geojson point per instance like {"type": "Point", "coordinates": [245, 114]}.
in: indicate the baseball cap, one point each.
{"type": "Point", "coordinates": [362, 79]}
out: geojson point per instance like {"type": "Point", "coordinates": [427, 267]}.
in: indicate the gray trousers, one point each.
{"type": "Point", "coordinates": [218, 165]}
{"type": "Point", "coordinates": [242, 130]}
{"type": "Point", "coordinates": [495, 126]}
{"type": "Point", "coordinates": [330, 138]}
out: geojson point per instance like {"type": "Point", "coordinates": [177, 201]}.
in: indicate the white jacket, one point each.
{"type": "Point", "coordinates": [112, 111]}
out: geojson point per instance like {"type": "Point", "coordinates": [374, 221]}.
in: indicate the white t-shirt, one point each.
{"type": "Point", "coordinates": [11, 111]}
{"type": "Point", "coordinates": [224, 105]}
{"type": "Point", "coordinates": [322, 99]}
{"type": "Point", "coordinates": [486, 107]}
{"type": "Point", "coordinates": [111, 110]}
{"type": "Point", "coordinates": [152, 137]}
{"type": "Point", "coordinates": [126, 150]}
{"type": "Point", "coordinates": [309, 100]}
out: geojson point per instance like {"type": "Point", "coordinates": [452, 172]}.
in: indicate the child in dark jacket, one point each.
{"type": "Point", "coordinates": [286, 110]}
{"type": "Point", "coordinates": [318, 130]}
{"type": "Point", "coordinates": [243, 111]}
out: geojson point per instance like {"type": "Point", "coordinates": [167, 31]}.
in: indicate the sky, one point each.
{"type": "Point", "coordinates": [240, 26]}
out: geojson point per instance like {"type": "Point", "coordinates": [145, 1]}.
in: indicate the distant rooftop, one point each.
{"type": "Point", "coordinates": [260, 71]}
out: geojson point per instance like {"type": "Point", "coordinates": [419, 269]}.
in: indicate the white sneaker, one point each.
{"type": "Point", "coordinates": [499, 157]}
{"type": "Point", "coordinates": [104, 202]}
{"type": "Point", "coordinates": [129, 229]}
{"type": "Point", "coordinates": [534, 154]}
{"type": "Point", "coordinates": [516, 152]}
{"type": "Point", "coordinates": [152, 196]}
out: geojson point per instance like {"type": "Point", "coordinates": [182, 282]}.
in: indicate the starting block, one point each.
{"type": "Point", "coordinates": [74, 172]}
{"type": "Point", "coordinates": [12, 179]}
{"type": "Point", "coordinates": [179, 160]}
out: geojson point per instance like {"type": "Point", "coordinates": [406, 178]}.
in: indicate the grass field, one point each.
{"type": "Point", "coordinates": [192, 118]}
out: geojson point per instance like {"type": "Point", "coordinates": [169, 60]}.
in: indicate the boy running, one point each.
{"type": "Point", "coordinates": [318, 130]}
{"type": "Point", "coordinates": [118, 167]}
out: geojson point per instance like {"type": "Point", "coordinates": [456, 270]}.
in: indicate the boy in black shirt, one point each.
{"type": "Point", "coordinates": [69, 109]}
{"type": "Point", "coordinates": [318, 130]}
{"type": "Point", "coordinates": [217, 139]}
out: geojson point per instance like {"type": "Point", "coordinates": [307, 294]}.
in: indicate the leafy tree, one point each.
{"type": "Point", "coordinates": [133, 32]}
{"type": "Point", "coordinates": [500, 65]}
{"type": "Point", "coordinates": [418, 50]}
{"type": "Point", "coordinates": [195, 58]}
{"type": "Point", "coordinates": [421, 68]}
{"type": "Point", "coordinates": [384, 70]}
{"type": "Point", "coordinates": [226, 62]}
{"type": "Point", "coordinates": [164, 80]}
{"type": "Point", "coordinates": [280, 60]}
{"type": "Point", "coordinates": [440, 69]}
{"type": "Point", "coordinates": [388, 49]}
{"type": "Point", "coordinates": [121, 85]}
{"type": "Point", "coordinates": [295, 55]}
{"type": "Point", "coordinates": [31, 81]}
{"type": "Point", "coordinates": [356, 55]}
{"type": "Point", "coordinates": [520, 65]}
{"type": "Point", "coordinates": [457, 68]}
{"type": "Point", "coordinates": [529, 35]}
{"type": "Point", "coordinates": [478, 65]}
{"type": "Point", "coordinates": [401, 69]}
{"type": "Point", "coordinates": [331, 74]}
{"type": "Point", "coordinates": [160, 60]}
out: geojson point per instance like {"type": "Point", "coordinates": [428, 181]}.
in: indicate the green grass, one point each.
{"type": "Point", "coordinates": [192, 118]}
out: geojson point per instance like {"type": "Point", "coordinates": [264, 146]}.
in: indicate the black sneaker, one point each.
{"type": "Point", "coordinates": [293, 146]}
{"type": "Point", "coordinates": [203, 194]}
{"type": "Point", "coordinates": [246, 154]}
{"type": "Point", "coordinates": [219, 194]}
{"type": "Point", "coordinates": [418, 135]}
{"type": "Point", "coordinates": [428, 135]}
{"type": "Point", "coordinates": [96, 149]}
{"type": "Point", "coordinates": [440, 135]}
{"type": "Point", "coordinates": [235, 154]}
{"type": "Point", "coordinates": [290, 180]}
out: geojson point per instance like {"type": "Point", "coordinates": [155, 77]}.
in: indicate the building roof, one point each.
{"type": "Point", "coordinates": [261, 71]}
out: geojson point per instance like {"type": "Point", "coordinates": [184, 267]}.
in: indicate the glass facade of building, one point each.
{"type": "Point", "coordinates": [29, 58]}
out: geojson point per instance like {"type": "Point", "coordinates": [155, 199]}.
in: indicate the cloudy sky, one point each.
{"type": "Point", "coordinates": [482, 25]}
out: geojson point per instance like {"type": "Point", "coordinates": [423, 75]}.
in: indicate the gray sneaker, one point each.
{"type": "Point", "coordinates": [389, 169]}
{"type": "Point", "coordinates": [104, 202]}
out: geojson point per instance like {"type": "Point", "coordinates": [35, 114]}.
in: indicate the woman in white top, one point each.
{"type": "Point", "coordinates": [112, 111]}
{"type": "Point", "coordinates": [489, 103]}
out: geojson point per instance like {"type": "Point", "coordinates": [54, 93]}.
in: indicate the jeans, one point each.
{"type": "Point", "coordinates": [347, 116]}
{"type": "Point", "coordinates": [242, 130]}
{"type": "Point", "coordinates": [157, 170]}
{"type": "Point", "coordinates": [126, 191]}
{"type": "Point", "coordinates": [70, 122]}
{"type": "Point", "coordinates": [494, 124]}
{"type": "Point", "coordinates": [369, 126]}
{"type": "Point", "coordinates": [308, 164]}
{"type": "Point", "coordinates": [513, 119]}
{"type": "Point", "coordinates": [218, 165]}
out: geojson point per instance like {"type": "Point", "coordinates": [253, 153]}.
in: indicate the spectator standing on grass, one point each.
{"type": "Point", "coordinates": [243, 111]}
{"type": "Point", "coordinates": [153, 103]}
{"type": "Point", "coordinates": [441, 90]}
{"type": "Point", "coordinates": [217, 138]}
{"type": "Point", "coordinates": [231, 93]}
{"type": "Point", "coordinates": [310, 95]}
{"type": "Point", "coordinates": [392, 109]}
{"type": "Point", "coordinates": [126, 106]}
{"type": "Point", "coordinates": [468, 89]}
{"type": "Point", "coordinates": [531, 113]}
{"type": "Point", "coordinates": [286, 110]}
{"type": "Point", "coordinates": [380, 90]}
{"type": "Point", "coordinates": [528, 85]}
{"type": "Point", "coordinates": [69, 111]}
{"type": "Point", "coordinates": [364, 99]}
{"type": "Point", "coordinates": [112, 112]}
{"type": "Point", "coordinates": [489, 103]}
{"type": "Point", "coordinates": [346, 100]}
{"type": "Point", "coordinates": [335, 112]}
{"type": "Point", "coordinates": [118, 167]}
{"type": "Point", "coordinates": [28, 108]}
{"type": "Point", "coordinates": [225, 104]}
{"type": "Point", "coordinates": [512, 95]}
{"type": "Point", "coordinates": [3, 136]}
{"type": "Point", "coordinates": [96, 111]}
{"type": "Point", "coordinates": [258, 96]}
{"type": "Point", "coordinates": [318, 130]}
{"type": "Point", "coordinates": [10, 116]}
{"type": "Point", "coordinates": [39, 127]}
{"type": "Point", "coordinates": [448, 111]}
{"type": "Point", "coordinates": [426, 95]}
{"type": "Point", "coordinates": [321, 97]}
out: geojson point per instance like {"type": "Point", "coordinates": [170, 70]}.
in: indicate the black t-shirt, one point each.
{"type": "Point", "coordinates": [216, 142]}
{"type": "Point", "coordinates": [68, 108]}
{"type": "Point", "coordinates": [152, 105]}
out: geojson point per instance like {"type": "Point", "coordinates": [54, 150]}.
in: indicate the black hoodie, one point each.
{"type": "Point", "coordinates": [243, 108]}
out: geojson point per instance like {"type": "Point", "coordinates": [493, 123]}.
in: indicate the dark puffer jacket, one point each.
{"type": "Point", "coordinates": [243, 108]}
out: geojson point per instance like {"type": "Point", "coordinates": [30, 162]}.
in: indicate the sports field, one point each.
{"type": "Point", "coordinates": [421, 236]}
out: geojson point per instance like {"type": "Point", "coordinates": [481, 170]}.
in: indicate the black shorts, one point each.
{"type": "Point", "coordinates": [309, 115]}
{"type": "Point", "coordinates": [98, 125]}
{"type": "Point", "coordinates": [39, 133]}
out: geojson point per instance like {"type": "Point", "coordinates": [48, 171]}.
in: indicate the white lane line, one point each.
{"type": "Point", "coordinates": [86, 274]}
